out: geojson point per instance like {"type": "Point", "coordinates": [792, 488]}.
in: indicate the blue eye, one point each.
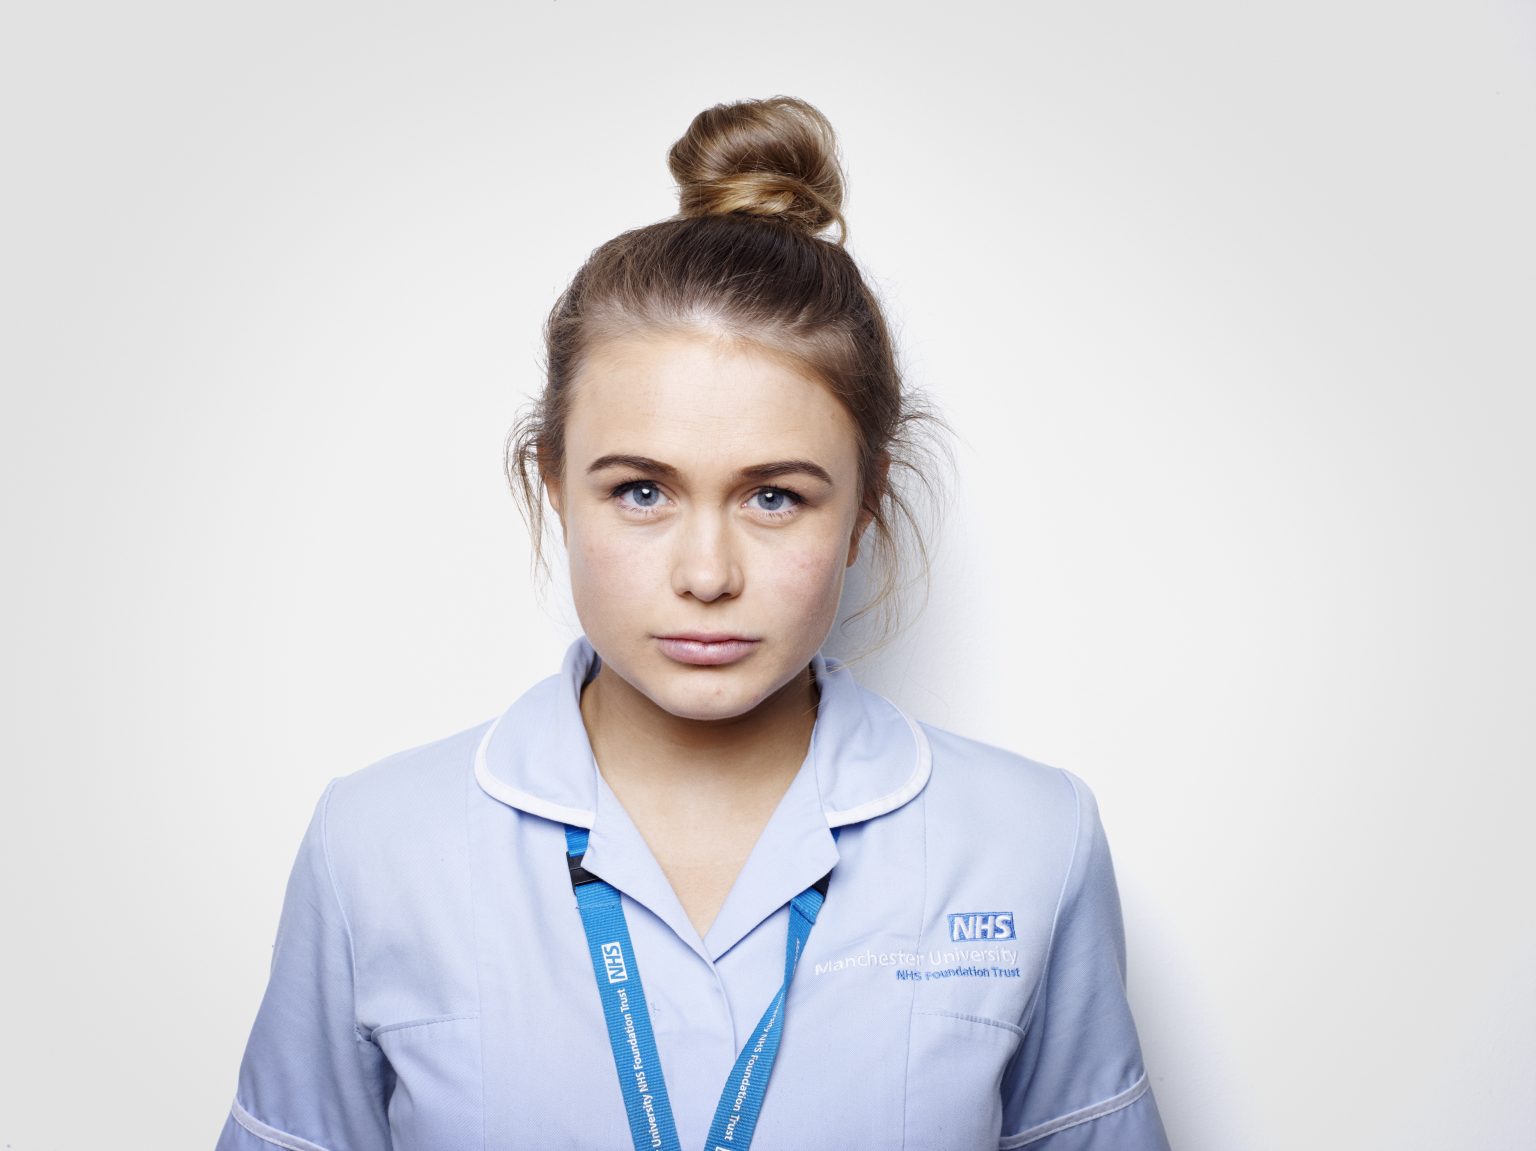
{"type": "Point", "coordinates": [639, 495]}
{"type": "Point", "coordinates": [775, 501]}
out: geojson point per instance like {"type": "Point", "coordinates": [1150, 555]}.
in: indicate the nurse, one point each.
{"type": "Point", "coordinates": [700, 889]}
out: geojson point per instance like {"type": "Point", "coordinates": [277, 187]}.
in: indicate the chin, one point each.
{"type": "Point", "coordinates": [704, 707]}
{"type": "Point", "coordinates": [720, 694]}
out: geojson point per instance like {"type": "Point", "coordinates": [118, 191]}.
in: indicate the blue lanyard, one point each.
{"type": "Point", "coordinates": [629, 1019]}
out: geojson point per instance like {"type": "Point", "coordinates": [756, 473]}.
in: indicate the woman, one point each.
{"type": "Point", "coordinates": [700, 889]}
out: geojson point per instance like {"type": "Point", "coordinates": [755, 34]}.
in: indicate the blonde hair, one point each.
{"type": "Point", "coordinates": [759, 183]}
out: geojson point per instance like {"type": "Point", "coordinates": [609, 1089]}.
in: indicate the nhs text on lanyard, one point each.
{"type": "Point", "coordinates": [629, 1021]}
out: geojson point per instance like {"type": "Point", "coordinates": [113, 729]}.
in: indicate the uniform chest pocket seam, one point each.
{"type": "Point", "coordinates": [413, 1023]}
{"type": "Point", "coordinates": [1012, 1028]}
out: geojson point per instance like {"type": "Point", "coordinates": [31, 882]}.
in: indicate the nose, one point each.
{"type": "Point", "coordinates": [705, 564]}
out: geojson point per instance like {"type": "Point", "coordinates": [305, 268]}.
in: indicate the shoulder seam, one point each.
{"type": "Point", "coordinates": [1061, 896]}
{"type": "Point", "coordinates": [341, 908]}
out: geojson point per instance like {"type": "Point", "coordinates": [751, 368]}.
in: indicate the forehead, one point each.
{"type": "Point", "coordinates": [696, 399]}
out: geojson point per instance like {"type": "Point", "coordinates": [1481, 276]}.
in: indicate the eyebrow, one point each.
{"type": "Point", "coordinates": [766, 471]}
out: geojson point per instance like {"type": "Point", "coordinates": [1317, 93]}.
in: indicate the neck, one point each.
{"type": "Point", "coordinates": [645, 752]}
{"type": "Point", "coordinates": [675, 776]}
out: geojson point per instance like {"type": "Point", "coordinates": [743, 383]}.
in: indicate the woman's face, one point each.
{"type": "Point", "coordinates": [710, 507]}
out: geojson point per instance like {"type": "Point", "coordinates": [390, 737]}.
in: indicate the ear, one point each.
{"type": "Point", "coordinates": [555, 493]}
{"type": "Point", "coordinates": [866, 517]}
{"type": "Point", "coordinates": [874, 494]}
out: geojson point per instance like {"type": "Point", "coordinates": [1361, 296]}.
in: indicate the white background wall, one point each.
{"type": "Point", "coordinates": [1231, 306]}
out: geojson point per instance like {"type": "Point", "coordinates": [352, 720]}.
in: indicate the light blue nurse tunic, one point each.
{"type": "Point", "coordinates": [431, 988]}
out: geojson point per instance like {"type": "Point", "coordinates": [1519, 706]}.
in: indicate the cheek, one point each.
{"type": "Point", "coordinates": [813, 576]}
{"type": "Point", "coordinates": [604, 566]}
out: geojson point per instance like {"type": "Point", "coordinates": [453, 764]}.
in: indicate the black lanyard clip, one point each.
{"type": "Point", "coordinates": [579, 874]}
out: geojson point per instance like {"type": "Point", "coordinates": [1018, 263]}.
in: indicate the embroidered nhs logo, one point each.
{"type": "Point", "coordinates": [613, 960]}
{"type": "Point", "coordinates": [968, 925]}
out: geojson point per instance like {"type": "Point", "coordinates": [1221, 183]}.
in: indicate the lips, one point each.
{"type": "Point", "coordinates": [700, 649]}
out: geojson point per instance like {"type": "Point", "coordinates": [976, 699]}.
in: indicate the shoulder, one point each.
{"type": "Point", "coordinates": [408, 785]}
{"type": "Point", "coordinates": [1011, 799]}
{"type": "Point", "coordinates": [969, 771]}
{"type": "Point", "coordinates": [404, 809]}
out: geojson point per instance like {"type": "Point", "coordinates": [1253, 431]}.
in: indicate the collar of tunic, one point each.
{"type": "Point", "coordinates": [866, 758]}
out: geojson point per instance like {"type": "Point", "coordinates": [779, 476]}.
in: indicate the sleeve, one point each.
{"type": "Point", "coordinates": [311, 1078]}
{"type": "Point", "coordinates": [1077, 1082]}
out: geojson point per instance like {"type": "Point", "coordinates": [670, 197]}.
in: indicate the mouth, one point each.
{"type": "Point", "coordinates": [702, 649]}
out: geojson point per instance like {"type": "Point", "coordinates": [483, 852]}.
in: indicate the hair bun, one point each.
{"type": "Point", "coordinates": [774, 158]}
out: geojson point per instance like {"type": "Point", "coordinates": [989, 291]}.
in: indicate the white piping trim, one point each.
{"type": "Point", "coordinates": [522, 800]}
{"type": "Point", "coordinates": [270, 1134]}
{"type": "Point", "coordinates": [1116, 1103]}
{"type": "Point", "coordinates": [892, 800]}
